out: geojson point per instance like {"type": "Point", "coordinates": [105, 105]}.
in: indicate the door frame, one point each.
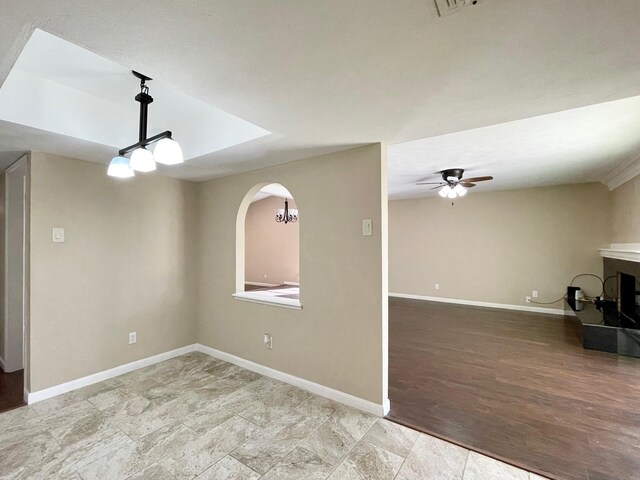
{"type": "Point", "coordinates": [24, 160]}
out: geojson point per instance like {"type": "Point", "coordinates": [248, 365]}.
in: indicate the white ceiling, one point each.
{"type": "Point", "coordinates": [574, 146]}
{"type": "Point", "coordinates": [325, 76]}
{"type": "Point", "coordinates": [61, 88]}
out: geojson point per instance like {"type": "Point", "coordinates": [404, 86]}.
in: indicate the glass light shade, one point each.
{"type": "Point", "coordinates": [119, 167]}
{"type": "Point", "coordinates": [168, 152]}
{"type": "Point", "coordinates": [460, 190]}
{"type": "Point", "coordinates": [444, 191]}
{"type": "Point", "coordinates": [142, 160]}
{"type": "Point", "coordinates": [452, 194]}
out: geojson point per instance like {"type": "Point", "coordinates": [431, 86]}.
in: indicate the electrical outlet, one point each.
{"type": "Point", "coordinates": [437, 286]}
{"type": "Point", "coordinates": [132, 338]}
{"type": "Point", "coordinates": [534, 294]}
{"type": "Point", "coordinates": [268, 341]}
{"type": "Point", "coordinates": [528, 299]}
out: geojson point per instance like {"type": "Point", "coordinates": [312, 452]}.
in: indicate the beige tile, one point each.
{"type": "Point", "coordinates": [164, 442]}
{"type": "Point", "coordinates": [228, 469]}
{"type": "Point", "coordinates": [152, 472]}
{"type": "Point", "coordinates": [74, 457]}
{"type": "Point", "coordinates": [196, 456]}
{"type": "Point", "coordinates": [480, 467]}
{"type": "Point", "coordinates": [300, 464]}
{"type": "Point", "coordinates": [62, 463]}
{"type": "Point", "coordinates": [433, 458]}
{"type": "Point", "coordinates": [334, 438]}
{"type": "Point", "coordinates": [392, 437]}
{"type": "Point", "coordinates": [16, 417]}
{"type": "Point", "coordinates": [366, 461]}
{"type": "Point", "coordinates": [20, 458]}
{"type": "Point", "coordinates": [318, 407]}
{"type": "Point", "coordinates": [271, 445]}
{"type": "Point", "coordinates": [137, 417]}
{"type": "Point", "coordinates": [116, 465]}
{"type": "Point", "coordinates": [52, 405]}
{"type": "Point", "coordinates": [116, 396]}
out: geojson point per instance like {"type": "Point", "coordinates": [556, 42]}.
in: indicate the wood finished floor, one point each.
{"type": "Point", "coordinates": [11, 390]}
{"type": "Point", "coordinates": [517, 386]}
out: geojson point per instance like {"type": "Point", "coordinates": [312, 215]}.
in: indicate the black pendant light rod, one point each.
{"type": "Point", "coordinates": [144, 99]}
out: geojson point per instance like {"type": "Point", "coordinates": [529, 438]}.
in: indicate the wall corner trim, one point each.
{"type": "Point", "coordinates": [330, 393]}
{"type": "Point", "coordinates": [503, 306]}
{"type": "Point", "coordinates": [622, 173]}
{"type": "Point", "coordinates": [33, 397]}
{"type": "Point", "coordinates": [2, 364]}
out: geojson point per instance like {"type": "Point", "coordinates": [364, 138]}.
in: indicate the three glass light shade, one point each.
{"type": "Point", "coordinates": [452, 192]}
{"type": "Point", "coordinates": [167, 151]}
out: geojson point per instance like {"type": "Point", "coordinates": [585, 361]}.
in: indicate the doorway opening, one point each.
{"type": "Point", "coordinates": [15, 214]}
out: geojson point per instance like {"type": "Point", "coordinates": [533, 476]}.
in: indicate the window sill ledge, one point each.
{"type": "Point", "coordinates": [268, 300]}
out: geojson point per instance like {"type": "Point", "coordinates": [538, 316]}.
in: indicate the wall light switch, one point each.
{"type": "Point", "coordinates": [437, 286]}
{"type": "Point", "coordinates": [534, 294]}
{"type": "Point", "coordinates": [57, 235]}
{"type": "Point", "coordinates": [268, 341]}
{"type": "Point", "coordinates": [132, 338]}
{"type": "Point", "coordinates": [367, 227]}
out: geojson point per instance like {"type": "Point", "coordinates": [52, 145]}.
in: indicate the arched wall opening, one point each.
{"type": "Point", "coordinates": [268, 245]}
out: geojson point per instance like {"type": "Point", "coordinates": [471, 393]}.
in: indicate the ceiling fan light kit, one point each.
{"type": "Point", "coordinates": [167, 151]}
{"type": "Point", "coordinates": [453, 185]}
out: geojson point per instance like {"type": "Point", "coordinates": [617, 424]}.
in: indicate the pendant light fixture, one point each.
{"type": "Point", "coordinates": [284, 215]}
{"type": "Point", "coordinates": [167, 151]}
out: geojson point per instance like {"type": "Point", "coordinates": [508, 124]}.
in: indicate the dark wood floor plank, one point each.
{"type": "Point", "coordinates": [517, 386]}
{"type": "Point", "coordinates": [11, 390]}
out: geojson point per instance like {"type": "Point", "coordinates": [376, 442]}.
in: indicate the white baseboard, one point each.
{"type": "Point", "coordinates": [312, 387]}
{"type": "Point", "coordinates": [260, 284]}
{"type": "Point", "coordinates": [292, 284]}
{"type": "Point", "coordinates": [338, 396]}
{"type": "Point", "coordinates": [504, 306]}
{"type": "Point", "coordinates": [33, 397]}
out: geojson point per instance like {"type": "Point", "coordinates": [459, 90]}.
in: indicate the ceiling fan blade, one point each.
{"type": "Point", "coordinates": [477, 179]}
{"type": "Point", "coordinates": [429, 183]}
{"type": "Point", "coordinates": [436, 188]}
{"type": "Point", "coordinates": [467, 185]}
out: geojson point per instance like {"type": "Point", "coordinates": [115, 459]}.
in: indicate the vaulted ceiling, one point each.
{"type": "Point", "coordinates": [324, 76]}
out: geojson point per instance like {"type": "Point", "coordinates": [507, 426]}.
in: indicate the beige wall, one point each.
{"type": "Point", "coordinates": [625, 212]}
{"type": "Point", "coordinates": [128, 264]}
{"type": "Point", "coordinates": [272, 253]}
{"type": "Point", "coordinates": [336, 340]}
{"type": "Point", "coordinates": [499, 246]}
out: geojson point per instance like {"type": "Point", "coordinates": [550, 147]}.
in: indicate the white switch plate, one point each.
{"type": "Point", "coordinates": [132, 338]}
{"type": "Point", "coordinates": [437, 286]}
{"type": "Point", "coordinates": [367, 227]}
{"type": "Point", "coordinates": [57, 235]}
{"type": "Point", "coordinates": [534, 294]}
{"type": "Point", "coordinates": [268, 341]}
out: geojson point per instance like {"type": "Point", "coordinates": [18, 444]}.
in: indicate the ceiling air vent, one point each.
{"type": "Point", "coordinates": [447, 7]}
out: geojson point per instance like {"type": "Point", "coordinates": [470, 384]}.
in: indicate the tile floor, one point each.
{"type": "Point", "coordinates": [197, 417]}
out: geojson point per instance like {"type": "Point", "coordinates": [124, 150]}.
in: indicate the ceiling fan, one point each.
{"type": "Point", "coordinates": [454, 185]}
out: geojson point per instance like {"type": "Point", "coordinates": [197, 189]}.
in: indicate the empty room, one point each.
{"type": "Point", "coordinates": [320, 240]}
